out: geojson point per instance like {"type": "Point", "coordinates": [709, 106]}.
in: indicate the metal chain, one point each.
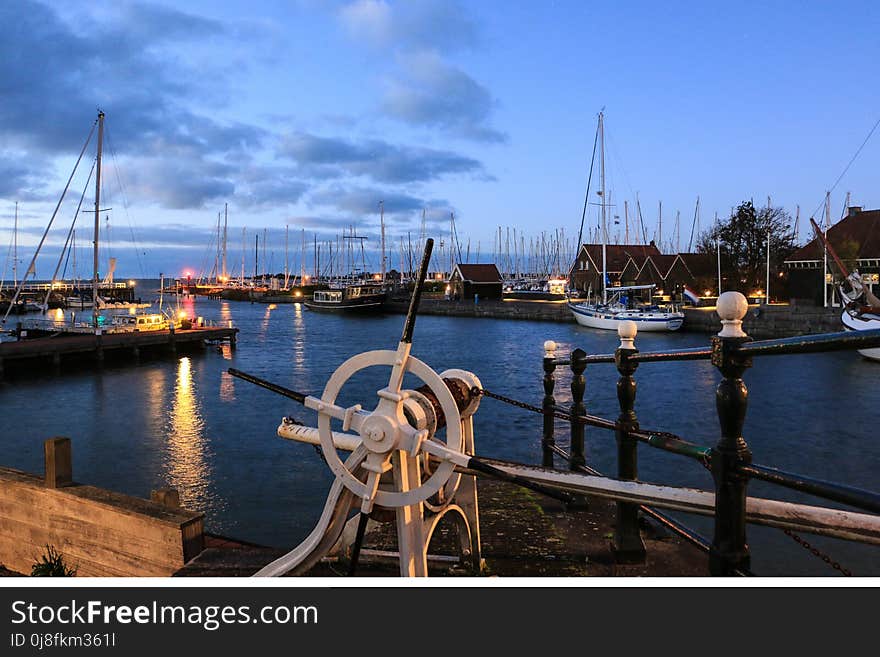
{"type": "Point", "coordinates": [589, 419]}
{"type": "Point", "coordinates": [585, 419]}
{"type": "Point", "coordinates": [816, 553]}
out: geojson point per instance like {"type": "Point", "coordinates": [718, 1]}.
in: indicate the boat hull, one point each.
{"type": "Point", "coordinates": [345, 306]}
{"type": "Point", "coordinates": [610, 320]}
{"type": "Point", "coordinates": [859, 323]}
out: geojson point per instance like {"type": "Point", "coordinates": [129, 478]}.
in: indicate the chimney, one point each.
{"type": "Point", "coordinates": [853, 210]}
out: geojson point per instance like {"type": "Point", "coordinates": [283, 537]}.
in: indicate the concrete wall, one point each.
{"type": "Point", "coordinates": [765, 322]}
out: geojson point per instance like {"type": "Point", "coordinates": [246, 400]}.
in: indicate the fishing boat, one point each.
{"type": "Point", "coordinates": [356, 298]}
{"type": "Point", "coordinates": [617, 303]}
{"type": "Point", "coordinates": [861, 310]}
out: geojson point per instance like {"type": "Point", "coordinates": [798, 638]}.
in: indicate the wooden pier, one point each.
{"type": "Point", "coordinates": [53, 351]}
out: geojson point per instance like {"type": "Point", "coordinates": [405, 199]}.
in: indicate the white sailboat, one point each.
{"type": "Point", "coordinates": [616, 304]}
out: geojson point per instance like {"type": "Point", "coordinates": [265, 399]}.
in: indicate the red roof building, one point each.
{"type": "Point", "coordinates": [856, 241]}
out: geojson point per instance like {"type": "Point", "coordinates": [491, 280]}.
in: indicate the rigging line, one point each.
{"type": "Point", "coordinates": [846, 168]}
{"type": "Point", "coordinates": [125, 204]}
{"type": "Point", "coordinates": [46, 232]}
{"type": "Point", "coordinates": [69, 233]}
{"type": "Point", "coordinates": [587, 195]}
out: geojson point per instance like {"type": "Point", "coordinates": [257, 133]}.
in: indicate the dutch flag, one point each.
{"type": "Point", "coordinates": [691, 295]}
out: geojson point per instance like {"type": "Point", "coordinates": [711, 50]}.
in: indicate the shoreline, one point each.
{"type": "Point", "coordinates": [761, 322]}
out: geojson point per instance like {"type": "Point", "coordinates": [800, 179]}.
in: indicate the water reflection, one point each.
{"type": "Point", "coordinates": [264, 325]}
{"type": "Point", "coordinates": [227, 387]}
{"type": "Point", "coordinates": [186, 464]}
{"type": "Point", "coordinates": [299, 339]}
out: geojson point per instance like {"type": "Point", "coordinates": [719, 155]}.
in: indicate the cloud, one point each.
{"type": "Point", "coordinates": [56, 70]}
{"type": "Point", "coordinates": [435, 94]}
{"type": "Point", "coordinates": [362, 201]}
{"type": "Point", "coordinates": [325, 157]}
{"type": "Point", "coordinates": [179, 185]}
{"type": "Point", "coordinates": [440, 24]}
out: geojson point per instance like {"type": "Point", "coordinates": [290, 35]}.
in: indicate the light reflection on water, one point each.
{"type": "Point", "coordinates": [186, 466]}
{"type": "Point", "coordinates": [188, 424]}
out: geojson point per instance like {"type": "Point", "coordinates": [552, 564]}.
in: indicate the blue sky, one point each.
{"type": "Point", "coordinates": [307, 114]}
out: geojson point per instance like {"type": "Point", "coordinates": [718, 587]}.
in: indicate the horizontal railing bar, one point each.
{"type": "Point", "coordinates": [696, 353]}
{"type": "Point", "coordinates": [861, 499]}
{"type": "Point", "coordinates": [599, 358]}
{"type": "Point", "coordinates": [674, 445]}
{"type": "Point", "coordinates": [673, 525]}
{"type": "Point", "coordinates": [847, 525]}
{"type": "Point", "coordinates": [805, 344]}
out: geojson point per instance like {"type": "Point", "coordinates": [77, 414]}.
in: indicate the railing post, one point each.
{"type": "Point", "coordinates": [628, 545]}
{"type": "Point", "coordinates": [729, 551]}
{"type": "Point", "coordinates": [578, 387]}
{"type": "Point", "coordinates": [548, 404]}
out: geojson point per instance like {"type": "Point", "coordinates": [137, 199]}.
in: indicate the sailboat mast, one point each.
{"type": "Point", "coordinates": [225, 225]}
{"type": "Point", "coordinates": [382, 226]}
{"type": "Point", "coordinates": [15, 249]}
{"type": "Point", "coordinates": [97, 218]}
{"type": "Point", "coordinates": [602, 183]}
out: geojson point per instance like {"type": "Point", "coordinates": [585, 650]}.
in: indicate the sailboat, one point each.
{"type": "Point", "coordinates": [861, 310]}
{"type": "Point", "coordinates": [617, 303]}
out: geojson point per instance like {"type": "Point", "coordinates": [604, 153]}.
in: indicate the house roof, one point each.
{"type": "Point", "coordinates": [617, 255]}
{"type": "Point", "coordinates": [485, 273]}
{"type": "Point", "coordinates": [661, 263]}
{"type": "Point", "coordinates": [700, 264]}
{"type": "Point", "coordinates": [861, 227]}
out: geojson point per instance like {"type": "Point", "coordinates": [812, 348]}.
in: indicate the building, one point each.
{"type": "Point", "coordinates": [621, 261]}
{"type": "Point", "coordinates": [855, 239]}
{"type": "Point", "coordinates": [468, 281]}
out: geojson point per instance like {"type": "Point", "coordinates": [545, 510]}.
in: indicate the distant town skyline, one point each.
{"type": "Point", "coordinates": [307, 114]}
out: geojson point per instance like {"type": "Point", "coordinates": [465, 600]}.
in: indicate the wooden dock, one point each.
{"type": "Point", "coordinates": [53, 351]}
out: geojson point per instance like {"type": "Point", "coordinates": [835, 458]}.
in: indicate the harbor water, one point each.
{"type": "Point", "coordinates": [184, 422]}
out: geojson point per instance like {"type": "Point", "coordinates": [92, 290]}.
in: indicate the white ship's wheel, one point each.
{"type": "Point", "coordinates": [386, 429]}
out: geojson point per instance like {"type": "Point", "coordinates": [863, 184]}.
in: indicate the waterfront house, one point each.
{"type": "Point", "coordinates": [586, 272]}
{"type": "Point", "coordinates": [654, 270]}
{"type": "Point", "coordinates": [468, 281]}
{"type": "Point", "coordinates": [698, 271]}
{"type": "Point", "coordinates": [855, 239]}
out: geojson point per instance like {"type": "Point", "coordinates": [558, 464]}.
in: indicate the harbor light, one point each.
{"type": "Point", "coordinates": [131, 284]}
{"type": "Point", "coordinates": [707, 293]}
{"type": "Point", "coordinates": [298, 293]}
{"type": "Point", "coordinates": [181, 314]}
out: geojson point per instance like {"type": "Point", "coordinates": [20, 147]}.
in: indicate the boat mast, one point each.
{"type": "Point", "coordinates": [286, 259]}
{"type": "Point", "coordinates": [97, 218]}
{"type": "Point", "coordinates": [225, 224]}
{"type": "Point", "coordinates": [602, 181]}
{"type": "Point", "coordinates": [825, 249]}
{"type": "Point", "coordinates": [15, 249]}
{"type": "Point", "coordinates": [382, 226]}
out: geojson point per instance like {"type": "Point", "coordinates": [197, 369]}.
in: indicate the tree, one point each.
{"type": "Point", "coordinates": [743, 244]}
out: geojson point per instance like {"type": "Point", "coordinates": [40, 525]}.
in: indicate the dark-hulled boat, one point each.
{"type": "Point", "coordinates": [359, 298]}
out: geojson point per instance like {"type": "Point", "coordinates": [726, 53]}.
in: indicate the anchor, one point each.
{"type": "Point", "coordinates": [398, 461]}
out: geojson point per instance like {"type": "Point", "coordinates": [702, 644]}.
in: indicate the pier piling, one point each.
{"type": "Point", "coordinates": [58, 462]}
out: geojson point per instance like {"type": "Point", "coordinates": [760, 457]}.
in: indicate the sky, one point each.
{"type": "Point", "coordinates": [301, 116]}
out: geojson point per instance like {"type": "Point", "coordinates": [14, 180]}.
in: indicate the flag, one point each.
{"type": "Point", "coordinates": [691, 295]}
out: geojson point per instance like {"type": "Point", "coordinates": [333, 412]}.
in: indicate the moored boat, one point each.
{"type": "Point", "coordinates": [618, 308]}
{"type": "Point", "coordinates": [357, 298]}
